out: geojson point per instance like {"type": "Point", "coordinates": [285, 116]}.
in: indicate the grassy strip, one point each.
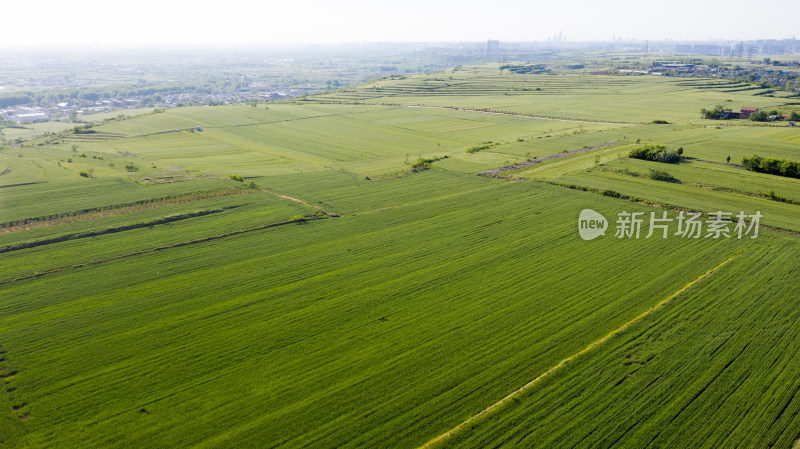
{"type": "Point", "coordinates": [83, 235]}
{"type": "Point", "coordinates": [85, 214]}
{"type": "Point", "coordinates": [769, 195]}
{"type": "Point", "coordinates": [634, 199]}
{"type": "Point", "coordinates": [495, 172]}
{"type": "Point", "coordinates": [160, 248]}
{"type": "Point", "coordinates": [421, 164]}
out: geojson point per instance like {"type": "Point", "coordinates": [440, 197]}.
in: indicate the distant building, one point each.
{"type": "Point", "coordinates": [20, 110]}
{"type": "Point", "coordinates": [492, 47]}
{"type": "Point", "coordinates": [33, 117]}
{"type": "Point", "coordinates": [745, 114]}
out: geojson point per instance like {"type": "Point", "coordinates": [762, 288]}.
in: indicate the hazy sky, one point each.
{"type": "Point", "coordinates": [106, 23]}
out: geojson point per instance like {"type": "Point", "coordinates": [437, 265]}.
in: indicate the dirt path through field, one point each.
{"type": "Point", "coordinates": [297, 200]}
{"type": "Point", "coordinates": [494, 172]}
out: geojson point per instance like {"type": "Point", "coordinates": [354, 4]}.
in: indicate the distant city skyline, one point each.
{"type": "Point", "coordinates": [49, 23]}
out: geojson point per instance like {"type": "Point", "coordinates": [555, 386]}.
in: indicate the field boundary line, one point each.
{"type": "Point", "coordinates": [160, 248]}
{"type": "Point", "coordinates": [514, 114]}
{"type": "Point", "coordinates": [565, 361]}
{"type": "Point", "coordinates": [27, 224]}
{"type": "Point", "coordinates": [112, 230]}
{"type": "Point", "coordinates": [658, 204]}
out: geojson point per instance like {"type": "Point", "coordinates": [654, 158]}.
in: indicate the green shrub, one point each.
{"type": "Point", "coordinates": [481, 147]}
{"type": "Point", "coordinates": [236, 178]}
{"type": "Point", "coordinates": [656, 153]}
{"type": "Point", "coordinates": [422, 163]}
{"type": "Point", "coordinates": [661, 175]}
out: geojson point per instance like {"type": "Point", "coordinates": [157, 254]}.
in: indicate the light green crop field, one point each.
{"type": "Point", "coordinates": [330, 294]}
{"type": "Point", "coordinates": [566, 96]}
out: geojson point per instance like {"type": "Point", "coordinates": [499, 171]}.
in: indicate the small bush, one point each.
{"type": "Point", "coordinates": [656, 153]}
{"type": "Point", "coordinates": [481, 147]}
{"type": "Point", "coordinates": [422, 163]}
{"type": "Point", "coordinates": [772, 196]}
{"type": "Point", "coordinates": [131, 167]}
{"type": "Point", "coordinates": [236, 178]}
{"type": "Point", "coordinates": [660, 122]}
{"type": "Point", "coordinates": [661, 175]}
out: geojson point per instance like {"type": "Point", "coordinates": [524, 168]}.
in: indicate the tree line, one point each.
{"type": "Point", "coordinates": [657, 153]}
{"type": "Point", "coordinates": [780, 167]}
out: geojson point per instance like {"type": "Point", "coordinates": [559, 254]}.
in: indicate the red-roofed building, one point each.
{"type": "Point", "coordinates": [745, 114]}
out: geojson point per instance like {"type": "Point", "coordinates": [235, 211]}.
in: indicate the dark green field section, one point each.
{"type": "Point", "coordinates": [715, 368]}
{"type": "Point", "coordinates": [380, 329]}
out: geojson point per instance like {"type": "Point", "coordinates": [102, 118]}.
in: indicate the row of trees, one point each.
{"type": "Point", "coordinates": [763, 116]}
{"type": "Point", "coordinates": [718, 113]}
{"type": "Point", "coordinates": [780, 167]}
{"type": "Point", "coordinates": [657, 153]}
{"type": "Point", "coordinates": [143, 89]}
{"type": "Point", "coordinates": [722, 113]}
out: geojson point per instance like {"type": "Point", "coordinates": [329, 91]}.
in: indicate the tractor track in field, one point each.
{"type": "Point", "coordinates": [509, 397]}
